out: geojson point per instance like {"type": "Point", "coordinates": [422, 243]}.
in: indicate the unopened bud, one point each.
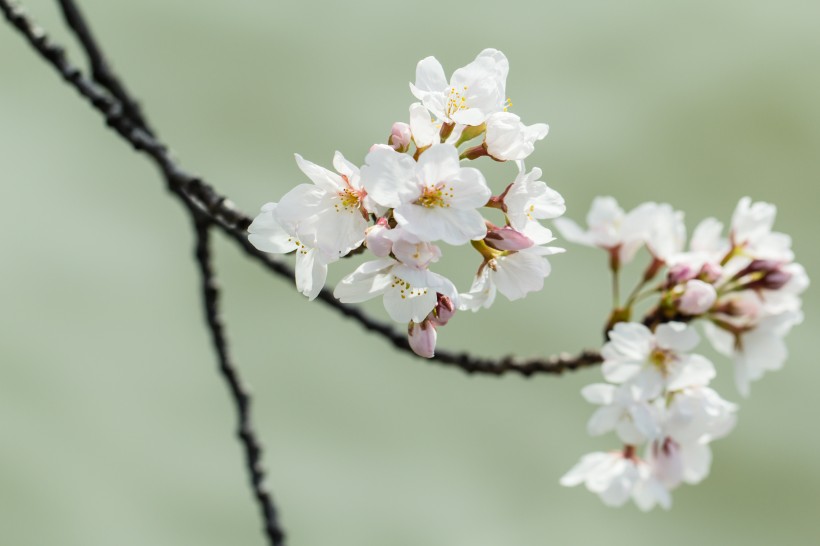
{"type": "Point", "coordinates": [422, 338]}
{"type": "Point", "coordinates": [773, 280]}
{"type": "Point", "coordinates": [680, 273]}
{"type": "Point", "coordinates": [444, 310]}
{"type": "Point", "coordinates": [506, 238]}
{"type": "Point", "coordinates": [698, 297]}
{"type": "Point", "coordinates": [400, 137]}
{"type": "Point", "coordinates": [710, 272]}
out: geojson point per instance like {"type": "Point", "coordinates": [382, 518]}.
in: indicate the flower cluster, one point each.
{"type": "Point", "coordinates": [745, 289]}
{"type": "Point", "coordinates": [412, 194]}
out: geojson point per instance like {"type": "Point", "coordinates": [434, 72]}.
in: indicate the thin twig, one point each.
{"type": "Point", "coordinates": [101, 71]}
{"type": "Point", "coordinates": [222, 213]}
{"type": "Point", "coordinates": [240, 396]}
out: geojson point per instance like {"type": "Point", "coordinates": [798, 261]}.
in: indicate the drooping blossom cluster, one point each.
{"type": "Point", "coordinates": [421, 191]}
{"type": "Point", "coordinates": [415, 193]}
{"type": "Point", "coordinates": [745, 290]}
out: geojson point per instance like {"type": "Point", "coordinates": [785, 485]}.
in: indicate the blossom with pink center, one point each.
{"type": "Point", "coordinates": [329, 214]}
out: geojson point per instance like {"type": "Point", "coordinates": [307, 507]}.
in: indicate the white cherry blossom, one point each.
{"type": "Point", "coordinates": [751, 230]}
{"type": "Point", "coordinates": [507, 139]}
{"type": "Point", "coordinates": [609, 228]}
{"type": "Point", "coordinates": [328, 214]}
{"type": "Point", "coordinates": [434, 198]}
{"type": "Point", "coordinates": [697, 415]}
{"type": "Point", "coordinates": [625, 410]}
{"type": "Point", "coordinates": [528, 200]}
{"type": "Point", "coordinates": [657, 361]}
{"type": "Point", "coordinates": [266, 234]}
{"type": "Point", "coordinates": [757, 350]}
{"type": "Point", "coordinates": [616, 478]}
{"type": "Point", "coordinates": [514, 274]}
{"type": "Point", "coordinates": [473, 92]}
{"type": "Point", "coordinates": [409, 293]}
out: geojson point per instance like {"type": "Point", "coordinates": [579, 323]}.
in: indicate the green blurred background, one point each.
{"type": "Point", "coordinates": [115, 427]}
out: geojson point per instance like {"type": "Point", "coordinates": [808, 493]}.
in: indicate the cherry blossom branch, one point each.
{"type": "Point", "coordinates": [221, 212]}
{"type": "Point", "coordinates": [241, 398]}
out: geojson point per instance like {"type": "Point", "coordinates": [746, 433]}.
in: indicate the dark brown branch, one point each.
{"type": "Point", "coordinates": [241, 398]}
{"type": "Point", "coordinates": [101, 71]}
{"type": "Point", "coordinates": [195, 192]}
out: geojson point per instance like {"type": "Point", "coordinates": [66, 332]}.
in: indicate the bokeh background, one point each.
{"type": "Point", "coordinates": [115, 428]}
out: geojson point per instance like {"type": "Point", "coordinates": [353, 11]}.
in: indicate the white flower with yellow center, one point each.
{"type": "Point", "coordinates": [473, 93]}
{"type": "Point", "coordinates": [514, 274]}
{"type": "Point", "coordinates": [329, 214]}
{"type": "Point", "coordinates": [409, 293]}
{"type": "Point", "coordinates": [655, 361]}
{"type": "Point", "coordinates": [434, 199]}
{"type": "Point", "coordinates": [268, 235]}
{"type": "Point", "coordinates": [528, 200]}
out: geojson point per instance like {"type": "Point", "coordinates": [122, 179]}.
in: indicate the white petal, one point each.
{"type": "Point", "coordinates": [692, 371]}
{"type": "Point", "coordinates": [368, 281]}
{"type": "Point", "coordinates": [481, 294]}
{"type": "Point", "coordinates": [323, 178]}
{"type": "Point", "coordinates": [267, 235]}
{"type": "Point", "coordinates": [579, 473]}
{"type": "Point", "coordinates": [390, 177]}
{"type": "Point", "coordinates": [598, 393]}
{"type": "Point", "coordinates": [603, 420]}
{"type": "Point", "coordinates": [439, 163]}
{"type": "Point", "coordinates": [429, 77]}
{"type": "Point", "coordinates": [311, 272]}
{"type": "Point", "coordinates": [453, 226]}
{"type": "Point", "coordinates": [425, 132]}
{"type": "Point", "coordinates": [677, 336]}
{"type": "Point", "coordinates": [520, 273]}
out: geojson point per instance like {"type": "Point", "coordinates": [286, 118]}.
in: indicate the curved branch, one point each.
{"type": "Point", "coordinates": [194, 192]}
{"type": "Point", "coordinates": [240, 396]}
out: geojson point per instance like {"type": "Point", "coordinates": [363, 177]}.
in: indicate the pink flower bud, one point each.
{"type": "Point", "coordinates": [680, 273]}
{"type": "Point", "coordinates": [443, 312]}
{"type": "Point", "coordinates": [775, 280]}
{"type": "Point", "coordinates": [710, 272]}
{"type": "Point", "coordinates": [698, 297]}
{"type": "Point", "coordinates": [422, 338]}
{"type": "Point", "coordinates": [506, 238]}
{"type": "Point", "coordinates": [771, 275]}
{"type": "Point", "coordinates": [400, 137]}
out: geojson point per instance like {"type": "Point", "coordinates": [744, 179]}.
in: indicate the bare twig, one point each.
{"type": "Point", "coordinates": [242, 401]}
{"type": "Point", "coordinates": [101, 71]}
